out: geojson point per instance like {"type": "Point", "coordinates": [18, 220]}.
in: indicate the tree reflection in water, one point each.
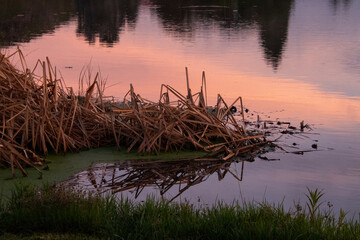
{"type": "Point", "coordinates": [105, 19]}
{"type": "Point", "coordinates": [340, 4]}
{"type": "Point", "coordinates": [21, 20]}
{"type": "Point", "coordinates": [135, 176]}
{"type": "Point", "coordinates": [271, 18]}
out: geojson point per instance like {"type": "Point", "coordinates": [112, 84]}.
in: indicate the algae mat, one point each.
{"type": "Point", "coordinates": [61, 167]}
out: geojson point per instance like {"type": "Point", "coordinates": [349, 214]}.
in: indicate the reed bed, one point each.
{"type": "Point", "coordinates": [172, 125]}
{"type": "Point", "coordinates": [38, 114]}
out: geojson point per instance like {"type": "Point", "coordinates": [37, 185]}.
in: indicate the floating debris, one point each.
{"type": "Point", "coordinates": [285, 136]}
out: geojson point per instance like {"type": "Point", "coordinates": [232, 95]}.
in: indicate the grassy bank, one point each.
{"type": "Point", "coordinates": [50, 213]}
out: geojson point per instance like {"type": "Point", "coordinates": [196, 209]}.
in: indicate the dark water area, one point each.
{"type": "Point", "coordinates": [290, 60]}
{"type": "Point", "coordinates": [21, 21]}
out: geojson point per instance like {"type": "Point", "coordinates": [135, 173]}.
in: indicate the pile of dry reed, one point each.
{"type": "Point", "coordinates": [38, 114]}
{"type": "Point", "coordinates": [185, 122]}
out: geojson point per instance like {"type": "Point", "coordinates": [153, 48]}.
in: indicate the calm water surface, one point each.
{"type": "Point", "coordinates": [289, 60]}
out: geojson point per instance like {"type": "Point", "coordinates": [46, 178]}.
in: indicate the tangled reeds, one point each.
{"type": "Point", "coordinates": [38, 114]}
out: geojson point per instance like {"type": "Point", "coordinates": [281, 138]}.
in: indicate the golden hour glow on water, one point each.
{"type": "Point", "coordinates": [291, 61]}
{"type": "Point", "coordinates": [147, 67]}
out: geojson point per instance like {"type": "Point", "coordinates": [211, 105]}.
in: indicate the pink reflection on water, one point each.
{"type": "Point", "coordinates": [147, 57]}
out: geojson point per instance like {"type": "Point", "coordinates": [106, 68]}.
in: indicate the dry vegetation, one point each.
{"type": "Point", "coordinates": [38, 114]}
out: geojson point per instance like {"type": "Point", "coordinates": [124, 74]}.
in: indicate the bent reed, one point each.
{"type": "Point", "coordinates": [38, 114]}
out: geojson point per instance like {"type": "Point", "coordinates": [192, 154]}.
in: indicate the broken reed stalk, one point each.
{"type": "Point", "coordinates": [38, 114]}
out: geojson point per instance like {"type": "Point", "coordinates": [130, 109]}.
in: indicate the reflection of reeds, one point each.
{"type": "Point", "coordinates": [137, 175]}
{"type": "Point", "coordinates": [39, 114]}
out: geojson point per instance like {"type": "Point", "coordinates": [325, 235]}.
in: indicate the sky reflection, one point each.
{"type": "Point", "coordinates": [162, 60]}
{"type": "Point", "coordinates": [300, 62]}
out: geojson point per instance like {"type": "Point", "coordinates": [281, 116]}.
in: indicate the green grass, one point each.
{"type": "Point", "coordinates": [48, 236]}
{"type": "Point", "coordinates": [49, 213]}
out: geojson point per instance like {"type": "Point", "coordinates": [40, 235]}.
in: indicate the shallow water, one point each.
{"type": "Point", "coordinates": [289, 60]}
